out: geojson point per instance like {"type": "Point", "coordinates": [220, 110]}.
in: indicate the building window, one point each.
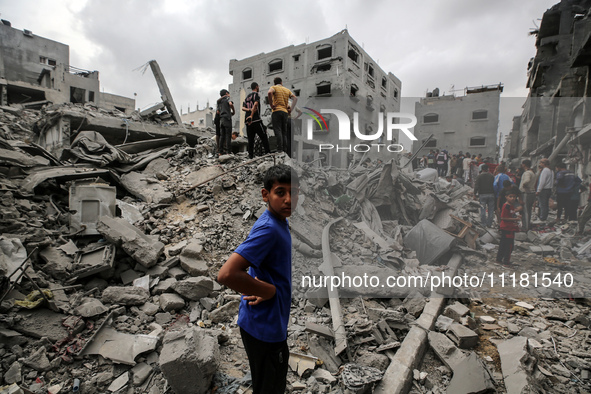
{"type": "Point", "coordinates": [323, 89]}
{"type": "Point", "coordinates": [296, 58]}
{"type": "Point", "coordinates": [431, 118]}
{"type": "Point", "coordinates": [324, 52]}
{"type": "Point", "coordinates": [354, 90]}
{"type": "Point", "coordinates": [91, 96]}
{"type": "Point", "coordinates": [246, 74]}
{"type": "Point", "coordinates": [370, 70]}
{"type": "Point", "coordinates": [42, 60]}
{"type": "Point", "coordinates": [51, 62]}
{"type": "Point", "coordinates": [353, 55]}
{"type": "Point", "coordinates": [275, 65]}
{"type": "Point", "coordinates": [395, 94]}
{"type": "Point", "coordinates": [431, 144]}
{"type": "Point", "coordinates": [477, 141]}
{"type": "Point", "coordinates": [480, 114]}
{"type": "Point", "coordinates": [296, 92]}
{"type": "Point", "coordinates": [384, 83]}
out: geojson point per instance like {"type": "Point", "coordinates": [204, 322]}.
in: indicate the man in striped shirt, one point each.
{"type": "Point", "coordinates": [279, 96]}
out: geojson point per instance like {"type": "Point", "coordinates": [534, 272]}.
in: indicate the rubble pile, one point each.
{"type": "Point", "coordinates": [111, 241]}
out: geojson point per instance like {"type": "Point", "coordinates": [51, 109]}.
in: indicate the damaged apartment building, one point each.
{"type": "Point", "coordinates": [467, 123]}
{"type": "Point", "coordinates": [556, 117]}
{"type": "Point", "coordinates": [35, 70]}
{"type": "Point", "coordinates": [331, 73]}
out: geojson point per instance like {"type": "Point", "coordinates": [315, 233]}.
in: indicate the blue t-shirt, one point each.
{"type": "Point", "coordinates": [498, 183]}
{"type": "Point", "coordinates": [268, 249]}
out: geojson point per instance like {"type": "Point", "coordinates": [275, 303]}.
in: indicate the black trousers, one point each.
{"type": "Point", "coordinates": [279, 120]}
{"type": "Point", "coordinates": [268, 364]}
{"type": "Point", "coordinates": [252, 130]}
{"type": "Point", "coordinates": [563, 201]}
{"type": "Point", "coordinates": [505, 247]}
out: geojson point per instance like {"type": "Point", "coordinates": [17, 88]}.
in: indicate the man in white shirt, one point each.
{"type": "Point", "coordinates": [466, 167]}
{"type": "Point", "coordinates": [528, 190]}
{"type": "Point", "coordinates": [544, 190]}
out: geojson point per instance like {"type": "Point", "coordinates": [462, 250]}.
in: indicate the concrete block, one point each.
{"type": "Point", "coordinates": [456, 311]}
{"type": "Point", "coordinates": [149, 190]}
{"type": "Point", "coordinates": [225, 313]}
{"type": "Point", "coordinates": [189, 360]}
{"type": "Point", "coordinates": [171, 302]}
{"type": "Point", "coordinates": [128, 295]}
{"type": "Point", "coordinates": [462, 336]}
{"type": "Point", "coordinates": [135, 243]}
{"type": "Point", "coordinates": [446, 350]}
{"type": "Point", "coordinates": [194, 288]}
{"type": "Point", "coordinates": [89, 203]}
{"type": "Point", "coordinates": [57, 263]}
{"type": "Point", "coordinates": [443, 322]}
{"type": "Point", "coordinates": [140, 372]}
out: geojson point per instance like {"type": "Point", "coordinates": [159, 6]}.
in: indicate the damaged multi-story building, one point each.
{"type": "Point", "coordinates": [556, 117]}
{"type": "Point", "coordinates": [335, 70]}
{"type": "Point", "coordinates": [467, 123]}
{"type": "Point", "coordinates": [36, 69]}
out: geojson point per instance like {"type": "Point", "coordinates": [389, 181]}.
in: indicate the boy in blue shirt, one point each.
{"type": "Point", "coordinates": [264, 310]}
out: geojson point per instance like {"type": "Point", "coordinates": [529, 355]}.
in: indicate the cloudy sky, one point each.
{"type": "Point", "coordinates": [426, 43]}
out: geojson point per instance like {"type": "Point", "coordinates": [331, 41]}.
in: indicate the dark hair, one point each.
{"type": "Point", "coordinates": [560, 165]}
{"type": "Point", "coordinates": [254, 85]}
{"type": "Point", "coordinates": [527, 163]}
{"type": "Point", "coordinates": [507, 183]}
{"type": "Point", "coordinates": [280, 173]}
{"type": "Point", "coordinates": [277, 81]}
{"type": "Point", "coordinates": [223, 92]}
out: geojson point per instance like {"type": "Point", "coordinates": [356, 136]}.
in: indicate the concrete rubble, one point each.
{"type": "Point", "coordinates": [130, 237]}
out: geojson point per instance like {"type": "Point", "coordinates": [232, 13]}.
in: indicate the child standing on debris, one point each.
{"type": "Point", "coordinates": [509, 226]}
{"type": "Point", "coordinates": [264, 310]}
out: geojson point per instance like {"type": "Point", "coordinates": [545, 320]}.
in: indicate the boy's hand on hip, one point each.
{"type": "Point", "coordinates": [255, 300]}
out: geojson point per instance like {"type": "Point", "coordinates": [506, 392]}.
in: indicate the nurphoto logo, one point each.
{"type": "Point", "coordinates": [344, 132]}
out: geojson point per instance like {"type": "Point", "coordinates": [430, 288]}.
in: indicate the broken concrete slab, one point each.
{"type": "Point", "coordinates": [141, 372]}
{"type": "Point", "coordinates": [225, 313]}
{"type": "Point", "coordinates": [57, 263]}
{"type": "Point", "coordinates": [39, 323]}
{"type": "Point", "coordinates": [93, 261]}
{"type": "Point", "coordinates": [192, 260]}
{"type": "Point", "coordinates": [38, 360]}
{"type": "Point", "coordinates": [427, 252]}
{"type": "Point", "coordinates": [471, 376]}
{"type": "Point", "coordinates": [188, 360]}
{"type": "Point", "coordinates": [90, 307]}
{"type": "Point", "coordinates": [516, 363]}
{"type": "Point", "coordinates": [139, 246]}
{"type": "Point", "coordinates": [445, 349]}
{"type": "Point", "coordinates": [147, 188]}
{"type": "Point", "coordinates": [125, 295]}
{"type": "Point", "coordinates": [194, 288]}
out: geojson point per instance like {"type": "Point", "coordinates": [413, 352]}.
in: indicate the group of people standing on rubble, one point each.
{"type": "Point", "coordinates": [282, 101]}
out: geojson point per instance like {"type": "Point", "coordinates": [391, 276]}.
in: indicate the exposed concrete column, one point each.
{"type": "Point", "coordinates": [165, 92]}
{"type": "Point", "coordinates": [3, 95]}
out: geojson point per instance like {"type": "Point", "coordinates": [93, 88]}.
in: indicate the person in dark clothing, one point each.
{"type": "Point", "coordinates": [226, 110]}
{"type": "Point", "coordinates": [565, 184]}
{"type": "Point", "coordinates": [485, 193]}
{"type": "Point", "coordinates": [254, 124]}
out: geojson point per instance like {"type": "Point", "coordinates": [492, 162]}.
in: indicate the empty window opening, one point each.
{"type": "Point", "coordinates": [395, 94]}
{"type": "Point", "coordinates": [51, 62]}
{"type": "Point", "coordinates": [323, 89]}
{"type": "Point", "coordinates": [324, 67]}
{"type": "Point", "coordinates": [384, 83]}
{"type": "Point", "coordinates": [275, 65]}
{"type": "Point", "coordinates": [120, 109]}
{"type": "Point", "coordinates": [296, 58]}
{"type": "Point", "coordinates": [246, 73]}
{"type": "Point", "coordinates": [77, 95]}
{"type": "Point", "coordinates": [91, 96]}
{"type": "Point", "coordinates": [353, 55]}
{"type": "Point", "coordinates": [42, 60]}
{"type": "Point", "coordinates": [354, 90]}
{"type": "Point", "coordinates": [370, 70]}
{"type": "Point", "coordinates": [431, 118]}
{"type": "Point", "coordinates": [325, 52]}
{"type": "Point", "coordinates": [477, 141]}
{"type": "Point", "coordinates": [297, 92]}
{"type": "Point", "coordinates": [431, 144]}
{"type": "Point", "coordinates": [480, 114]}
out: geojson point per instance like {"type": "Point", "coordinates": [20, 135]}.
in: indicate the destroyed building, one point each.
{"type": "Point", "coordinates": [200, 117]}
{"type": "Point", "coordinates": [467, 123]}
{"type": "Point", "coordinates": [335, 67]}
{"type": "Point", "coordinates": [34, 70]}
{"type": "Point", "coordinates": [556, 117]}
